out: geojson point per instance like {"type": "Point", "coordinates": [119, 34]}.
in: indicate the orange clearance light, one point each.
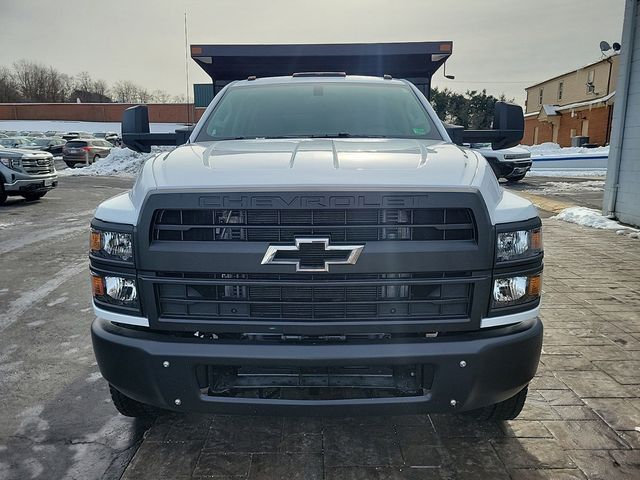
{"type": "Point", "coordinates": [536, 239]}
{"type": "Point", "coordinates": [535, 285]}
{"type": "Point", "coordinates": [97, 285]}
{"type": "Point", "coordinates": [96, 241]}
{"type": "Point", "coordinates": [445, 47]}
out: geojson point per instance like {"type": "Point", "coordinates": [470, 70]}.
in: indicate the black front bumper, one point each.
{"type": "Point", "coordinates": [497, 364]}
{"type": "Point", "coordinates": [514, 168]}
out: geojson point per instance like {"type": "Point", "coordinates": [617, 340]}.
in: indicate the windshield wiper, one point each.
{"type": "Point", "coordinates": [346, 135]}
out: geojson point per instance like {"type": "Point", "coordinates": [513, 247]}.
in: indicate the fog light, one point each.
{"type": "Point", "coordinates": [122, 290]}
{"type": "Point", "coordinates": [516, 290]}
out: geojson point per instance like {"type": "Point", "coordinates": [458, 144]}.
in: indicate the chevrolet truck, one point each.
{"type": "Point", "coordinates": [318, 246]}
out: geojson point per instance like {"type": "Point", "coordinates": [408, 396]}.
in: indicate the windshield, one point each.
{"type": "Point", "coordinates": [318, 109]}
{"type": "Point", "coordinates": [41, 142]}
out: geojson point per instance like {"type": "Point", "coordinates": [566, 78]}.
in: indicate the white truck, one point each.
{"type": "Point", "coordinates": [318, 246]}
{"type": "Point", "coordinates": [511, 164]}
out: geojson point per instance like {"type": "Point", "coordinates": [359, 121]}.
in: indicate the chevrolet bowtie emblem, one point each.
{"type": "Point", "coordinates": [312, 254]}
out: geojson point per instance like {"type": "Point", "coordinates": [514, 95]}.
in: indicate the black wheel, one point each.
{"type": "Point", "coordinates": [505, 410]}
{"type": "Point", "coordinates": [30, 197]}
{"type": "Point", "coordinates": [70, 164]}
{"type": "Point", "coordinates": [130, 407]}
{"type": "Point", "coordinates": [95, 159]}
{"type": "Point", "coordinates": [3, 195]}
{"type": "Point", "coordinates": [516, 178]}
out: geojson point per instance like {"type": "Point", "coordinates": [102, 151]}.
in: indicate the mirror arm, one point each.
{"type": "Point", "coordinates": [142, 142]}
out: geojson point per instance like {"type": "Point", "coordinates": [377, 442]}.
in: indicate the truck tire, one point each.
{"type": "Point", "coordinates": [506, 410]}
{"type": "Point", "coordinates": [30, 197]}
{"type": "Point", "coordinates": [516, 178]}
{"type": "Point", "coordinates": [130, 407]}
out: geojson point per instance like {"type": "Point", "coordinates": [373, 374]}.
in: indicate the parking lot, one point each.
{"type": "Point", "coordinates": [582, 418]}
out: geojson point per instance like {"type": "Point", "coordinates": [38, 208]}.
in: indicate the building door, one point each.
{"type": "Point", "coordinates": [585, 128]}
{"type": "Point", "coordinates": [535, 136]}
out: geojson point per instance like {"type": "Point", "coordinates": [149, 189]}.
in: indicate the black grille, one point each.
{"type": "Point", "coordinates": [301, 297]}
{"type": "Point", "coordinates": [339, 225]}
{"type": "Point", "coordinates": [38, 166]}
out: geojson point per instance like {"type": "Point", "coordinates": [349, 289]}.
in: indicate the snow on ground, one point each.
{"type": "Point", "coordinates": [574, 172]}
{"type": "Point", "coordinates": [553, 149]}
{"type": "Point", "coordinates": [120, 162]}
{"type": "Point", "coordinates": [91, 127]}
{"type": "Point", "coordinates": [551, 188]}
{"type": "Point", "coordinates": [589, 217]}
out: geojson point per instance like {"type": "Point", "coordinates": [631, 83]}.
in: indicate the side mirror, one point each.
{"type": "Point", "coordinates": [135, 131]}
{"type": "Point", "coordinates": [135, 120]}
{"type": "Point", "coordinates": [509, 120]}
{"type": "Point", "coordinates": [507, 131]}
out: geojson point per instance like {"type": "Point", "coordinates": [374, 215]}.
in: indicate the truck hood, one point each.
{"type": "Point", "coordinates": [308, 163]}
{"type": "Point", "coordinates": [320, 165]}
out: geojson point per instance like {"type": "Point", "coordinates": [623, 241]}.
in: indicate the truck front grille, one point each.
{"type": "Point", "coordinates": [302, 297]}
{"type": "Point", "coordinates": [38, 166]}
{"type": "Point", "coordinates": [340, 225]}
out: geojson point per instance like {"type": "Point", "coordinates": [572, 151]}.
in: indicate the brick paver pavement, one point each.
{"type": "Point", "coordinates": [582, 418]}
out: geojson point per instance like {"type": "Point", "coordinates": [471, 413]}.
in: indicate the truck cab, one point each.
{"type": "Point", "coordinates": [318, 246]}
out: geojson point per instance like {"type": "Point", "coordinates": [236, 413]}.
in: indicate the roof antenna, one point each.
{"type": "Point", "coordinates": [186, 66]}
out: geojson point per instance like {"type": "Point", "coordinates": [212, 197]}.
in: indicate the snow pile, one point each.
{"type": "Point", "coordinates": [589, 217]}
{"type": "Point", "coordinates": [120, 162]}
{"type": "Point", "coordinates": [551, 188]}
{"type": "Point", "coordinates": [553, 149]}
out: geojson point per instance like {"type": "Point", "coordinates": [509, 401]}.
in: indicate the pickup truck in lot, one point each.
{"type": "Point", "coordinates": [318, 246]}
{"type": "Point", "coordinates": [27, 173]}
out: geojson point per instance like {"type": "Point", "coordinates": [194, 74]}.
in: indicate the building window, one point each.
{"type": "Point", "coordinates": [560, 89]}
{"type": "Point", "coordinates": [540, 96]}
{"type": "Point", "coordinates": [591, 86]}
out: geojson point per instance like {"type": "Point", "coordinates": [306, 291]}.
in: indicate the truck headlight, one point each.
{"type": "Point", "coordinates": [112, 245]}
{"type": "Point", "coordinates": [12, 163]}
{"type": "Point", "coordinates": [115, 290]}
{"type": "Point", "coordinates": [516, 290]}
{"type": "Point", "coordinates": [519, 244]}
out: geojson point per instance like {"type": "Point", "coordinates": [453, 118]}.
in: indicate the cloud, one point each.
{"type": "Point", "coordinates": [500, 45]}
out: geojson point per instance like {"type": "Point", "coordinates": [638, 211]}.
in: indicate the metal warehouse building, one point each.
{"type": "Point", "coordinates": [622, 188]}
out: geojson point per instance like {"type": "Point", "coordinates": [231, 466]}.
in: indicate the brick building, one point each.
{"type": "Point", "coordinates": [576, 103]}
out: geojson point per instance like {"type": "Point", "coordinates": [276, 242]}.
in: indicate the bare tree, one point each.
{"type": "Point", "coordinates": [125, 92]}
{"type": "Point", "coordinates": [8, 90]}
{"type": "Point", "coordinates": [38, 83]}
{"type": "Point", "coordinates": [160, 96]}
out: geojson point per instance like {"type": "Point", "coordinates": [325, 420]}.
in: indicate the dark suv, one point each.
{"type": "Point", "coordinates": [85, 151]}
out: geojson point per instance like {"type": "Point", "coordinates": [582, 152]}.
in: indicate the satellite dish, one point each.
{"type": "Point", "coordinates": [604, 46]}
{"type": "Point", "coordinates": [616, 47]}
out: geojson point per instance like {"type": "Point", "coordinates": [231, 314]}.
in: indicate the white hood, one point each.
{"type": "Point", "coordinates": [321, 165]}
{"type": "Point", "coordinates": [308, 163]}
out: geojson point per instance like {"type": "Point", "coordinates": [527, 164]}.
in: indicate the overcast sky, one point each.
{"type": "Point", "coordinates": [500, 45]}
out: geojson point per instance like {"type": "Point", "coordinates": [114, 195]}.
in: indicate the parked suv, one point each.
{"type": "Point", "coordinates": [320, 246]}
{"type": "Point", "coordinates": [509, 163]}
{"type": "Point", "coordinates": [85, 151]}
{"type": "Point", "coordinates": [27, 173]}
